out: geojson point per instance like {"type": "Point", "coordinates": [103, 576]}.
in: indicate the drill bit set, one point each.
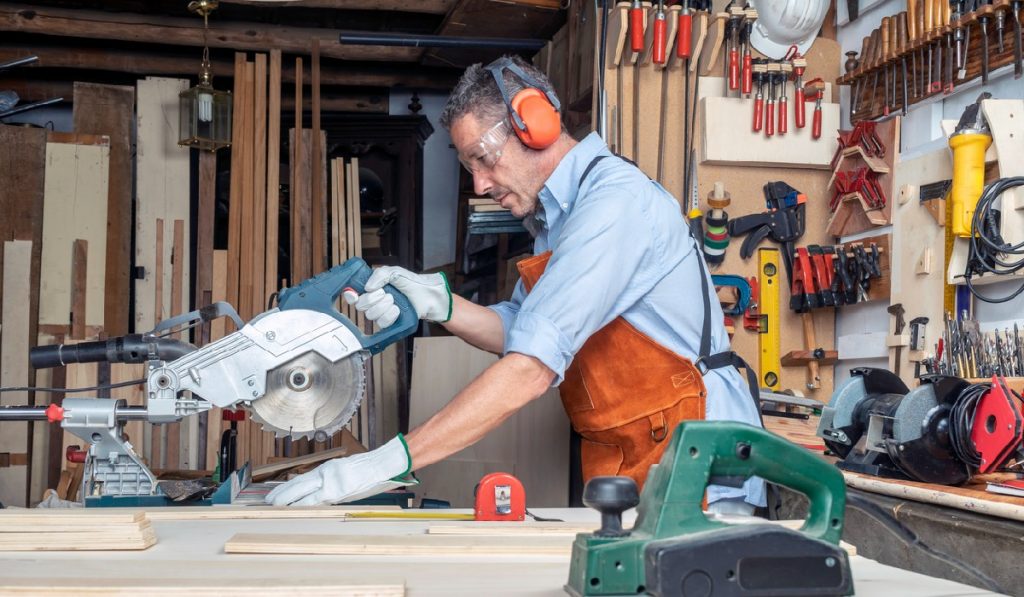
{"type": "Point", "coordinates": [966, 351]}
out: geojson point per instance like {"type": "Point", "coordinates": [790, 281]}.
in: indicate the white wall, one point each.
{"type": "Point", "coordinates": [920, 133]}
{"type": "Point", "coordinates": [440, 179]}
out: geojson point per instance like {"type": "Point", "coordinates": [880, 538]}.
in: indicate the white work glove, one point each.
{"type": "Point", "coordinates": [350, 478]}
{"type": "Point", "coordinates": [428, 293]}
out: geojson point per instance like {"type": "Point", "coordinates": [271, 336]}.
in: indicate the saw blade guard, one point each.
{"type": "Point", "coordinates": [321, 292]}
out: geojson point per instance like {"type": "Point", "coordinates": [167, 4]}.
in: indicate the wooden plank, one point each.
{"type": "Point", "coordinates": [235, 200]}
{"type": "Point", "coordinates": [175, 458]}
{"type": "Point", "coordinates": [124, 26]}
{"type": "Point", "coordinates": [295, 192]}
{"type": "Point", "coordinates": [205, 219]}
{"type": "Point", "coordinates": [107, 110]}
{"type": "Point", "coordinates": [405, 545]}
{"type": "Point", "coordinates": [156, 445]}
{"type": "Point", "coordinates": [162, 165]}
{"type": "Point", "coordinates": [14, 368]}
{"type": "Point", "coordinates": [268, 471]}
{"type": "Point", "coordinates": [273, 170]}
{"type": "Point", "coordinates": [49, 516]}
{"type": "Point", "coordinates": [259, 292]}
{"type": "Point", "coordinates": [262, 512]}
{"type": "Point", "coordinates": [75, 207]}
{"type": "Point", "coordinates": [215, 583]}
{"type": "Point", "coordinates": [67, 541]}
{"type": "Point", "coordinates": [971, 497]}
{"type": "Point", "coordinates": [245, 261]}
{"type": "Point", "coordinates": [79, 280]}
{"type": "Point", "coordinates": [317, 225]}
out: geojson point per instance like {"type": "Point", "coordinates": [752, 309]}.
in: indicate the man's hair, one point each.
{"type": "Point", "coordinates": [477, 93]}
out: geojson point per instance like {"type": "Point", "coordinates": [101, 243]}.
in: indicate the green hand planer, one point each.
{"type": "Point", "coordinates": [675, 550]}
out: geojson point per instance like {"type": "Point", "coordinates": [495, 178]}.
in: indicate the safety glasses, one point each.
{"type": "Point", "coordinates": [486, 152]}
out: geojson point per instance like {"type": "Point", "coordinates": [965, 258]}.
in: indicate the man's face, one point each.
{"type": "Point", "coordinates": [501, 166]}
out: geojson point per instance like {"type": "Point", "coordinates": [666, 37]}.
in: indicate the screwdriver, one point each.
{"type": "Point", "coordinates": [636, 26]}
{"type": "Point", "coordinates": [660, 29]}
{"type": "Point", "coordinates": [684, 41]}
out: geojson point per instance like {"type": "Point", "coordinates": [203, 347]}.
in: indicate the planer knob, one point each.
{"type": "Point", "coordinates": [611, 496]}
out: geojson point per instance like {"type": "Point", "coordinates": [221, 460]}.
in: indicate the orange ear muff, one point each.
{"type": "Point", "coordinates": [543, 124]}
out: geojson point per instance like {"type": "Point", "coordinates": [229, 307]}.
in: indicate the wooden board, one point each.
{"type": "Point", "coordinates": [533, 443]}
{"type": "Point", "coordinates": [14, 367]}
{"type": "Point", "coordinates": [161, 167]}
{"type": "Point", "coordinates": [918, 251]}
{"type": "Point", "coordinates": [266, 471]}
{"type": "Point", "coordinates": [229, 586]}
{"type": "Point", "coordinates": [235, 197]}
{"type": "Point", "coordinates": [130, 540]}
{"type": "Point", "coordinates": [971, 497]}
{"type": "Point", "coordinates": [259, 292]}
{"type": "Point", "coordinates": [257, 512]}
{"type": "Point", "coordinates": [273, 170]}
{"type": "Point", "coordinates": [505, 529]}
{"type": "Point", "coordinates": [403, 545]}
{"type": "Point", "coordinates": [76, 516]}
{"type": "Point", "coordinates": [728, 139]}
{"type": "Point", "coordinates": [75, 207]}
{"type": "Point", "coordinates": [107, 110]}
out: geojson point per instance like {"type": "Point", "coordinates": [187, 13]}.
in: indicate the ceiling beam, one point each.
{"type": "Point", "coordinates": [436, 7]}
{"type": "Point", "coordinates": [166, 64]}
{"type": "Point", "coordinates": [189, 32]}
{"type": "Point", "coordinates": [331, 100]}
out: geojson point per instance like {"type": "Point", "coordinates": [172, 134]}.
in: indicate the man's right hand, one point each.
{"type": "Point", "coordinates": [428, 293]}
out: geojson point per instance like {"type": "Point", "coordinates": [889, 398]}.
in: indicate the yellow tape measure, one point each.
{"type": "Point", "coordinates": [769, 364]}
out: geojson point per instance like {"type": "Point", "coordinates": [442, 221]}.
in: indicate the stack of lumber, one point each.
{"type": "Point", "coordinates": [74, 530]}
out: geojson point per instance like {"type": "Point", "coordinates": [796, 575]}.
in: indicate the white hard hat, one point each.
{"type": "Point", "coordinates": [783, 23]}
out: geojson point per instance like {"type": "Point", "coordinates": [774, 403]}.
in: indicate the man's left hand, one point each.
{"type": "Point", "coordinates": [349, 479]}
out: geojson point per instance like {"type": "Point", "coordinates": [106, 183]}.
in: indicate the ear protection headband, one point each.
{"type": "Point", "coordinates": [533, 111]}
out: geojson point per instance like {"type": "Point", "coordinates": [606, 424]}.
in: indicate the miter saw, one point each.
{"type": "Point", "coordinates": [298, 369]}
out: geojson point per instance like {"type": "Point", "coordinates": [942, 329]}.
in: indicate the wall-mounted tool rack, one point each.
{"type": "Point", "coordinates": [914, 56]}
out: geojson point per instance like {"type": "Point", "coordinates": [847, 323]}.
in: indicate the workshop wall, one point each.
{"type": "Point", "coordinates": [920, 134]}
{"type": "Point", "coordinates": [440, 179]}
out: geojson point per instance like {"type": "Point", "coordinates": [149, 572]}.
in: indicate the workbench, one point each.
{"type": "Point", "coordinates": [189, 558]}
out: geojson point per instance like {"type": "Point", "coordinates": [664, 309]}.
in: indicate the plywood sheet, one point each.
{"type": "Point", "coordinates": [74, 207]}
{"type": "Point", "coordinates": [917, 238]}
{"type": "Point", "coordinates": [402, 545]}
{"type": "Point", "coordinates": [14, 369]}
{"type": "Point", "coordinates": [534, 442]}
{"type": "Point", "coordinates": [107, 110]}
{"type": "Point", "coordinates": [162, 166]}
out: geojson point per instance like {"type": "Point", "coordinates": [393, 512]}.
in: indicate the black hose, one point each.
{"type": "Point", "coordinates": [908, 537]}
{"type": "Point", "coordinates": [134, 348]}
{"type": "Point", "coordinates": [961, 421]}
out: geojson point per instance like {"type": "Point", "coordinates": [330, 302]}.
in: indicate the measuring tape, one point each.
{"type": "Point", "coordinates": [769, 363]}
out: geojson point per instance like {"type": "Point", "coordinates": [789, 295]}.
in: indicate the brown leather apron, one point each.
{"type": "Point", "coordinates": [624, 393]}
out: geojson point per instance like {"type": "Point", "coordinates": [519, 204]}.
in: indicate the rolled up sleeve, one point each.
{"type": "Point", "coordinates": [593, 276]}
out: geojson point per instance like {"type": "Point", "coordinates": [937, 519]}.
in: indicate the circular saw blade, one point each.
{"type": "Point", "coordinates": [311, 397]}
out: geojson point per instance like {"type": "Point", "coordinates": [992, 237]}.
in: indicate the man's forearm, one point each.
{"type": "Point", "coordinates": [477, 325]}
{"type": "Point", "coordinates": [501, 390]}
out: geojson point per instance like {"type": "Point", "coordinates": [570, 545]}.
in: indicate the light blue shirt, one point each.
{"type": "Point", "coordinates": [620, 247]}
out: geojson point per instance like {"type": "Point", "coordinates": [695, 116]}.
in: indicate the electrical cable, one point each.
{"type": "Point", "coordinates": [961, 421]}
{"type": "Point", "coordinates": [107, 386]}
{"type": "Point", "coordinates": [910, 539]}
{"type": "Point", "coordinates": [988, 252]}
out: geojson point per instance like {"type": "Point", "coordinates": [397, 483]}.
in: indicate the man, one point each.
{"type": "Point", "coordinates": [615, 306]}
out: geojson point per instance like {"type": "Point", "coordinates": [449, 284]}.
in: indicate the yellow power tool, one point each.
{"type": "Point", "coordinates": [969, 143]}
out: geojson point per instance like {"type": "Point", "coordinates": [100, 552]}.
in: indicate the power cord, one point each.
{"type": "Point", "coordinates": [989, 253]}
{"type": "Point", "coordinates": [106, 386]}
{"type": "Point", "coordinates": [961, 421]}
{"type": "Point", "coordinates": [906, 536]}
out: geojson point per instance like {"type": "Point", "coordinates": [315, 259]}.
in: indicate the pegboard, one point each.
{"type": "Point", "coordinates": [744, 183]}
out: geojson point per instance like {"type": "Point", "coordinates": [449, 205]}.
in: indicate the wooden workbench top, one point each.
{"type": "Point", "coordinates": [189, 557]}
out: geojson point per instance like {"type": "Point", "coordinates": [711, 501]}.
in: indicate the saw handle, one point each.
{"type": "Point", "coordinates": [321, 292]}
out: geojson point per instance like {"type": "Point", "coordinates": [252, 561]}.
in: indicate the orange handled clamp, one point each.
{"type": "Point", "coordinates": [684, 45]}
{"type": "Point", "coordinates": [759, 74]}
{"type": "Point", "coordinates": [734, 68]}
{"type": "Point", "coordinates": [636, 26]}
{"type": "Point", "coordinates": [799, 110]}
{"type": "Point", "coordinates": [815, 90]}
{"type": "Point", "coordinates": [660, 30]}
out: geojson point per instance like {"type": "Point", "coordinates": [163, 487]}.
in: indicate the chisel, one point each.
{"type": "Point", "coordinates": [884, 60]}
{"type": "Point", "coordinates": [1018, 66]}
{"type": "Point", "coordinates": [901, 43]}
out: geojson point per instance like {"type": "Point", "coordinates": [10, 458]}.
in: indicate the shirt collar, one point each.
{"type": "Point", "coordinates": [561, 188]}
